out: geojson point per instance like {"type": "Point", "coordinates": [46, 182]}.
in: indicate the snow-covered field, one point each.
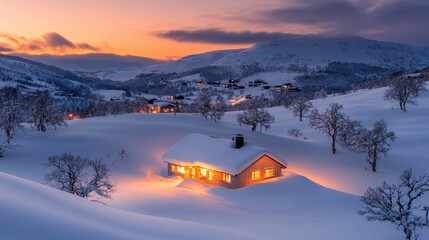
{"type": "Point", "coordinates": [317, 198]}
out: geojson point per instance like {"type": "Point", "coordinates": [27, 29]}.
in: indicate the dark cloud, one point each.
{"type": "Point", "coordinates": [87, 46]}
{"type": "Point", "coordinates": [56, 40]}
{"type": "Point", "coordinates": [218, 36]}
{"type": "Point", "coordinates": [404, 21]}
{"type": "Point", "coordinates": [5, 49]}
{"type": "Point", "coordinates": [50, 42]}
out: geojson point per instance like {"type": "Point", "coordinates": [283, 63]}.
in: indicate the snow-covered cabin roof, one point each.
{"type": "Point", "coordinates": [216, 153]}
{"type": "Point", "coordinates": [162, 104]}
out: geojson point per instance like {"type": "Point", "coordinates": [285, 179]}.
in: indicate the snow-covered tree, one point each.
{"type": "Point", "coordinates": [405, 90]}
{"type": "Point", "coordinates": [254, 117]}
{"type": "Point", "coordinates": [398, 204]}
{"type": "Point", "coordinates": [300, 106]}
{"type": "Point", "coordinates": [44, 111]}
{"type": "Point", "coordinates": [11, 112]}
{"type": "Point", "coordinates": [329, 122]}
{"type": "Point", "coordinates": [375, 142]}
{"type": "Point", "coordinates": [79, 176]}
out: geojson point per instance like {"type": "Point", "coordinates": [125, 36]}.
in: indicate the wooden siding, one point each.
{"type": "Point", "coordinates": [245, 177]}
{"type": "Point", "coordinates": [241, 180]}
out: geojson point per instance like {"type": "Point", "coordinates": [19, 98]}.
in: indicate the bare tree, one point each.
{"type": "Point", "coordinates": [349, 133]}
{"type": "Point", "coordinates": [294, 132]}
{"type": "Point", "coordinates": [329, 122]}
{"type": "Point", "coordinates": [398, 203]}
{"type": "Point", "coordinates": [11, 112]}
{"type": "Point", "coordinates": [44, 111]}
{"type": "Point", "coordinates": [254, 117]}
{"type": "Point", "coordinates": [79, 176]}
{"type": "Point", "coordinates": [264, 119]}
{"type": "Point", "coordinates": [375, 142]}
{"type": "Point", "coordinates": [217, 109]}
{"type": "Point", "coordinates": [67, 172]}
{"type": "Point", "coordinates": [405, 90]}
{"type": "Point", "coordinates": [300, 106]}
{"type": "Point", "coordinates": [202, 103]}
{"type": "Point", "coordinates": [320, 94]}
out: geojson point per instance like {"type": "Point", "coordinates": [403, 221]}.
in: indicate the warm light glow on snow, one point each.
{"type": "Point", "coordinates": [237, 101]}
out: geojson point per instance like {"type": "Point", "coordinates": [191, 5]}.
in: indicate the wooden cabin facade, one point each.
{"type": "Point", "coordinates": [247, 172]}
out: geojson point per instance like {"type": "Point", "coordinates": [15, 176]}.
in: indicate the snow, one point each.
{"type": "Point", "coordinates": [107, 94]}
{"type": "Point", "coordinates": [215, 153]}
{"type": "Point", "coordinates": [317, 198]}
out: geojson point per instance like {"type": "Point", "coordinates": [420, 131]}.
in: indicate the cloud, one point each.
{"type": "Point", "coordinates": [49, 43]}
{"type": "Point", "coordinates": [5, 49]}
{"type": "Point", "coordinates": [393, 20]}
{"type": "Point", "coordinates": [56, 40]}
{"type": "Point", "coordinates": [218, 36]}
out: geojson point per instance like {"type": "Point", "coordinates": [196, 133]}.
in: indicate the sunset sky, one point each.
{"type": "Point", "coordinates": [168, 29]}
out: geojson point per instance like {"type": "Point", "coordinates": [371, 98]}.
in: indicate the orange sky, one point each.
{"type": "Point", "coordinates": [168, 29]}
{"type": "Point", "coordinates": [123, 26]}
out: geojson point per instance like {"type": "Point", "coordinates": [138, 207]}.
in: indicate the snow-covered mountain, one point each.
{"type": "Point", "coordinates": [319, 51]}
{"type": "Point", "coordinates": [296, 54]}
{"type": "Point", "coordinates": [30, 76]}
{"type": "Point", "coordinates": [92, 62]}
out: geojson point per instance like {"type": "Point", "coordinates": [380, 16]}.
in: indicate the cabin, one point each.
{"type": "Point", "coordinates": [222, 162]}
{"type": "Point", "coordinates": [161, 107]}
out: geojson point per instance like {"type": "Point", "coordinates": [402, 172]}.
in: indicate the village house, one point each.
{"type": "Point", "coordinates": [222, 162]}
{"type": "Point", "coordinates": [161, 107]}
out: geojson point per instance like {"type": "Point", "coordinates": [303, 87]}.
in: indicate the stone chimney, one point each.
{"type": "Point", "coordinates": [239, 140]}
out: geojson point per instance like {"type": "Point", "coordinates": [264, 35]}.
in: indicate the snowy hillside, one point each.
{"type": "Point", "coordinates": [30, 76]}
{"type": "Point", "coordinates": [315, 199]}
{"type": "Point", "coordinates": [181, 65]}
{"type": "Point", "coordinates": [92, 62]}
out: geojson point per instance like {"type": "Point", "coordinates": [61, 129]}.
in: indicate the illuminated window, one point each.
{"type": "Point", "coordinates": [226, 177]}
{"type": "Point", "coordinates": [203, 172]}
{"type": "Point", "coordinates": [268, 172]}
{"type": "Point", "coordinates": [256, 174]}
{"type": "Point", "coordinates": [210, 175]}
{"type": "Point", "coordinates": [193, 172]}
{"type": "Point", "coordinates": [181, 169]}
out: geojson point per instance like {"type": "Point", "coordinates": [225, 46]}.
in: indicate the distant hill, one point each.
{"type": "Point", "coordinates": [30, 76]}
{"type": "Point", "coordinates": [92, 62]}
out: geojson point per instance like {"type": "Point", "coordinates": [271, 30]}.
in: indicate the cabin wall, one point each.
{"type": "Point", "coordinates": [241, 180]}
{"type": "Point", "coordinates": [265, 162]}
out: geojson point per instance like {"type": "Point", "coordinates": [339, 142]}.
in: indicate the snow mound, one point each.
{"type": "Point", "coordinates": [193, 184]}
{"type": "Point", "coordinates": [33, 211]}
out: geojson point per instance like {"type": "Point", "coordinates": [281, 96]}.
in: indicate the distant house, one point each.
{"type": "Point", "coordinates": [234, 81]}
{"type": "Point", "coordinates": [161, 107]}
{"type": "Point", "coordinates": [222, 162]}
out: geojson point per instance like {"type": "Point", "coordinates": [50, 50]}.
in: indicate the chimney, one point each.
{"type": "Point", "coordinates": [239, 140]}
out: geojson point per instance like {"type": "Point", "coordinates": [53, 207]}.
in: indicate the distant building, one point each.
{"type": "Point", "coordinates": [161, 107]}
{"type": "Point", "coordinates": [222, 162]}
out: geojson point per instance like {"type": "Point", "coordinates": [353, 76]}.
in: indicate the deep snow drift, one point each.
{"type": "Point", "coordinates": [319, 203]}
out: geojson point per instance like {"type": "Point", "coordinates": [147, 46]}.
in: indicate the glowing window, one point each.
{"type": "Point", "coordinates": [203, 172]}
{"type": "Point", "coordinates": [226, 177]}
{"type": "Point", "coordinates": [181, 169]}
{"type": "Point", "coordinates": [256, 175]}
{"type": "Point", "coordinates": [268, 172]}
{"type": "Point", "coordinates": [210, 175]}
